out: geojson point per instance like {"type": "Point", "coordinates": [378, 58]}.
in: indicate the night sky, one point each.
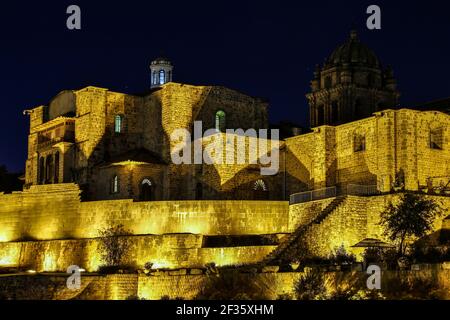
{"type": "Point", "coordinates": [266, 49]}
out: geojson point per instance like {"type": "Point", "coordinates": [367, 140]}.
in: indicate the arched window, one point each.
{"type": "Point", "coordinates": [199, 191]}
{"type": "Point", "coordinates": [359, 143]}
{"type": "Point", "coordinates": [437, 139]}
{"type": "Point", "coordinates": [320, 115]}
{"type": "Point", "coordinates": [162, 77]}
{"type": "Point", "coordinates": [334, 112]}
{"type": "Point", "coordinates": [359, 111]}
{"type": "Point", "coordinates": [220, 121]}
{"type": "Point", "coordinates": [118, 124]}
{"type": "Point", "coordinates": [56, 179]}
{"type": "Point", "coordinates": [155, 77]}
{"type": "Point", "coordinates": [260, 190]}
{"type": "Point", "coordinates": [146, 190]}
{"type": "Point", "coordinates": [327, 82]}
{"type": "Point", "coordinates": [49, 169]}
{"type": "Point", "coordinates": [115, 184]}
{"type": "Point", "coordinates": [41, 170]}
{"type": "Point", "coordinates": [370, 80]}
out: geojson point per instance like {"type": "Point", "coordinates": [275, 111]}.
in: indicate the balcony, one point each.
{"type": "Point", "coordinates": [45, 142]}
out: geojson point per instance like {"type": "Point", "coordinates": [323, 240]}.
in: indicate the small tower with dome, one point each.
{"type": "Point", "coordinates": [350, 85]}
{"type": "Point", "coordinates": [161, 72]}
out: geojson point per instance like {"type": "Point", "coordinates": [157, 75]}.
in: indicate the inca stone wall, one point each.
{"type": "Point", "coordinates": [353, 220]}
{"type": "Point", "coordinates": [170, 233]}
{"type": "Point", "coordinates": [187, 287]}
{"type": "Point", "coordinates": [55, 212]}
{"type": "Point", "coordinates": [164, 251]}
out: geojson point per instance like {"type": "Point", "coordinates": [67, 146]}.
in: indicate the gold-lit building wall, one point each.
{"type": "Point", "coordinates": [372, 151]}
{"type": "Point", "coordinates": [170, 234]}
{"type": "Point", "coordinates": [351, 221]}
{"type": "Point", "coordinates": [51, 212]}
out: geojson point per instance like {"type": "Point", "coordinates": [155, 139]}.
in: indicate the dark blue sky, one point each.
{"type": "Point", "coordinates": [265, 49]}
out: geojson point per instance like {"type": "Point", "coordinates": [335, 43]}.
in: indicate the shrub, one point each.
{"type": "Point", "coordinates": [381, 256]}
{"type": "Point", "coordinates": [341, 256]}
{"type": "Point", "coordinates": [232, 285]}
{"type": "Point", "coordinates": [311, 286]}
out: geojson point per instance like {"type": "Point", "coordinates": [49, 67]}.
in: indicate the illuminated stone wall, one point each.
{"type": "Point", "coordinates": [353, 220]}
{"type": "Point", "coordinates": [395, 141]}
{"type": "Point", "coordinates": [148, 120]}
{"type": "Point", "coordinates": [164, 251]}
{"type": "Point", "coordinates": [126, 286]}
{"type": "Point", "coordinates": [55, 212]}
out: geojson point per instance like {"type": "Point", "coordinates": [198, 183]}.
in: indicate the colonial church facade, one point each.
{"type": "Point", "coordinates": [115, 150]}
{"type": "Point", "coordinates": [117, 146]}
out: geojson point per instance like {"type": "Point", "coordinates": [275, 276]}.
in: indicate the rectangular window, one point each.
{"type": "Point", "coordinates": [359, 143]}
{"type": "Point", "coordinates": [437, 139]}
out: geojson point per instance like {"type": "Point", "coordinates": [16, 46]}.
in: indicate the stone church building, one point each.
{"type": "Point", "coordinates": [99, 159]}
{"type": "Point", "coordinates": [117, 146]}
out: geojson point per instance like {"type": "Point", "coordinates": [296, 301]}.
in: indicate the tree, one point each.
{"type": "Point", "coordinates": [9, 181]}
{"type": "Point", "coordinates": [413, 217]}
{"type": "Point", "coordinates": [114, 245]}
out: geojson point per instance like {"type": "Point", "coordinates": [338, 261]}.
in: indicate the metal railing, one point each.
{"type": "Point", "coordinates": [318, 194]}
{"type": "Point", "coordinates": [362, 190]}
{"type": "Point", "coordinates": [331, 192]}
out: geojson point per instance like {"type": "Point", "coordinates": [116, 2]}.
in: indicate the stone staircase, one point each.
{"type": "Point", "coordinates": [293, 238]}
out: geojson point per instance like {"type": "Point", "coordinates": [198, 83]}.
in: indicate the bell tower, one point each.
{"type": "Point", "coordinates": [350, 85]}
{"type": "Point", "coordinates": [161, 72]}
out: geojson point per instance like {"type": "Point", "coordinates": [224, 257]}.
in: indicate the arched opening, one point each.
{"type": "Point", "coordinates": [320, 115]}
{"type": "Point", "coordinates": [220, 121]}
{"type": "Point", "coordinates": [199, 191]}
{"type": "Point", "coordinates": [370, 80]}
{"type": "Point", "coordinates": [56, 175]}
{"type": "Point", "coordinates": [162, 77]}
{"type": "Point", "coordinates": [155, 77]}
{"type": "Point", "coordinates": [359, 143]}
{"type": "Point", "coordinates": [42, 170]}
{"type": "Point", "coordinates": [118, 124]}
{"type": "Point", "coordinates": [334, 113]}
{"type": "Point", "coordinates": [115, 184]}
{"type": "Point", "coordinates": [260, 191]}
{"type": "Point", "coordinates": [437, 139]}
{"type": "Point", "coordinates": [327, 82]}
{"type": "Point", "coordinates": [359, 109]}
{"type": "Point", "coordinates": [146, 190]}
{"type": "Point", "coordinates": [49, 169]}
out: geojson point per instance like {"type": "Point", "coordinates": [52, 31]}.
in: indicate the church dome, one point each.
{"type": "Point", "coordinates": [353, 52]}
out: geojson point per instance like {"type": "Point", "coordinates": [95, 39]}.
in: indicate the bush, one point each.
{"type": "Point", "coordinates": [409, 287]}
{"type": "Point", "coordinates": [311, 286]}
{"type": "Point", "coordinates": [421, 253]}
{"type": "Point", "coordinates": [386, 257]}
{"type": "Point", "coordinates": [232, 285]}
{"type": "Point", "coordinates": [340, 256]}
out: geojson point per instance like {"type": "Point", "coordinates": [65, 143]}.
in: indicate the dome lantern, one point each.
{"type": "Point", "coordinates": [161, 72]}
